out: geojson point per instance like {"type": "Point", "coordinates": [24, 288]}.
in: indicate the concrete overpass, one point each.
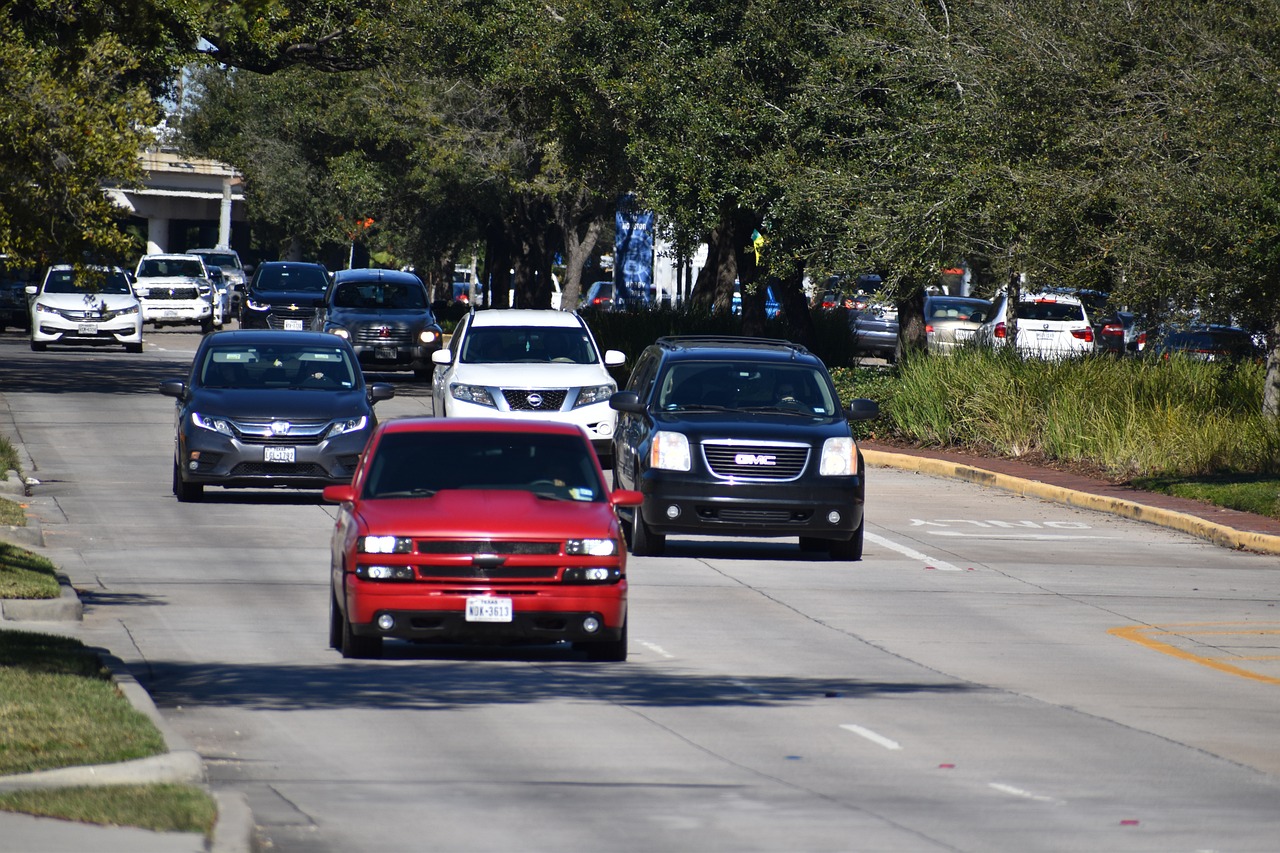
{"type": "Point", "coordinates": [186, 203]}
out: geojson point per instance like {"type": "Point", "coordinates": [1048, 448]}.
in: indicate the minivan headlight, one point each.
{"type": "Point", "coordinates": [213, 423]}
{"type": "Point", "coordinates": [670, 450]}
{"type": "Point", "coordinates": [839, 457]}
{"type": "Point", "coordinates": [347, 425]}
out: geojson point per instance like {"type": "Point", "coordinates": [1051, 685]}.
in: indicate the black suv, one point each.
{"type": "Point", "coordinates": [386, 314]}
{"type": "Point", "coordinates": [739, 437]}
{"type": "Point", "coordinates": [283, 295]}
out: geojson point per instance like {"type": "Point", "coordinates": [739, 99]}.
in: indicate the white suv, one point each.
{"type": "Point", "coordinates": [1050, 325]}
{"type": "Point", "coordinates": [528, 363]}
{"type": "Point", "coordinates": [176, 290]}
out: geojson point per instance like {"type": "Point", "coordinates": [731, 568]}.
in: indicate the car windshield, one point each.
{"type": "Point", "coordinates": [420, 464]}
{"type": "Point", "coordinates": [375, 295]}
{"type": "Point", "coordinates": [955, 309]}
{"type": "Point", "coordinates": [156, 267]}
{"type": "Point", "coordinates": [745, 386]}
{"type": "Point", "coordinates": [297, 278]}
{"type": "Point", "coordinates": [222, 260]}
{"type": "Point", "coordinates": [281, 367]}
{"type": "Point", "coordinates": [528, 344]}
{"type": "Point", "coordinates": [1050, 310]}
{"type": "Point", "coordinates": [66, 281]}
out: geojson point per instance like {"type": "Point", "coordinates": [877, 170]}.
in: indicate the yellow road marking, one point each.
{"type": "Point", "coordinates": [1144, 635]}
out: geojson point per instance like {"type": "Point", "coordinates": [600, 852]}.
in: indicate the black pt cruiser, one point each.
{"type": "Point", "coordinates": [730, 436]}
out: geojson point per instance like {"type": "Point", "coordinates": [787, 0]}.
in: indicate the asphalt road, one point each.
{"type": "Point", "coordinates": [997, 674]}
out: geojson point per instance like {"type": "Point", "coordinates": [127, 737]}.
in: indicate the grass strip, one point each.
{"type": "Point", "coordinates": [162, 808]}
{"type": "Point", "coordinates": [26, 575]}
{"type": "Point", "coordinates": [59, 708]}
{"type": "Point", "coordinates": [1245, 492]}
{"type": "Point", "coordinates": [12, 513]}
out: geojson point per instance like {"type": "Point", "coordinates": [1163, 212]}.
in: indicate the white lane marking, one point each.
{"type": "Point", "coordinates": [871, 736]}
{"type": "Point", "coordinates": [658, 650]}
{"type": "Point", "coordinates": [940, 565]}
{"type": "Point", "coordinates": [1019, 792]}
{"type": "Point", "coordinates": [1036, 536]}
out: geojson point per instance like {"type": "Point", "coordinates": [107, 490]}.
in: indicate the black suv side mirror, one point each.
{"type": "Point", "coordinates": [863, 409]}
{"type": "Point", "coordinates": [627, 401]}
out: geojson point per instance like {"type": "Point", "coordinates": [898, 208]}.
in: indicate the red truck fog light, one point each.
{"type": "Point", "coordinates": [386, 621]}
{"type": "Point", "coordinates": [591, 624]}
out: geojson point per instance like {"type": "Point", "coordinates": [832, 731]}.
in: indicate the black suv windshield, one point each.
{"type": "Point", "coordinates": [376, 295]}
{"type": "Point", "coordinates": [746, 385]}
{"type": "Point", "coordinates": [285, 277]}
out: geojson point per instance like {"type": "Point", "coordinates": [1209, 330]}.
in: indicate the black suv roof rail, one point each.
{"type": "Point", "coordinates": [729, 340]}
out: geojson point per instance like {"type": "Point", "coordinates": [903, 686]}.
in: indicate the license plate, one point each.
{"type": "Point", "coordinates": [385, 353]}
{"type": "Point", "coordinates": [964, 334]}
{"type": "Point", "coordinates": [485, 609]}
{"type": "Point", "coordinates": [168, 314]}
{"type": "Point", "coordinates": [1045, 337]}
{"type": "Point", "coordinates": [88, 328]}
{"type": "Point", "coordinates": [279, 454]}
{"type": "Point", "coordinates": [293, 325]}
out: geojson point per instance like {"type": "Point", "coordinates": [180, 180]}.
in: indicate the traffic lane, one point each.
{"type": "Point", "coordinates": [1064, 619]}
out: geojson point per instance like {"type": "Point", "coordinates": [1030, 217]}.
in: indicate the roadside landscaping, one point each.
{"type": "Point", "coordinates": [1183, 427]}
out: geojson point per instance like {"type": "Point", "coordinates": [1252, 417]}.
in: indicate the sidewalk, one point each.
{"type": "Point", "coordinates": [1226, 527]}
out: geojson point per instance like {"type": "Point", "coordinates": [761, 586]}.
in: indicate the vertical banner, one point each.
{"type": "Point", "coordinates": [633, 250]}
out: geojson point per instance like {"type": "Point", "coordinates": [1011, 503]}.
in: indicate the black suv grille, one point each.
{"type": "Point", "coordinates": [372, 336]}
{"type": "Point", "coordinates": [773, 461]}
{"type": "Point", "coordinates": [280, 313]}
{"type": "Point", "coordinates": [518, 399]}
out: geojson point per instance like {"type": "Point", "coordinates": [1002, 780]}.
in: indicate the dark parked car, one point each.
{"type": "Point", "coordinates": [487, 530]}
{"type": "Point", "coordinates": [1211, 343]}
{"type": "Point", "coordinates": [15, 309]}
{"type": "Point", "coordinates": [284, 295]}
{"type": "Point", "coordinates": [733, 436]}
{"type": "Point", "coordinates": [606, 296]}
{"type": "Point", "coordinates": [386, 315]}
{"type": "Point", "coordinates": [262, 409]}
{"type": "Point", "coordinates": [875, 329]}
{"type": "Point", "coordinates": [1119, 333]}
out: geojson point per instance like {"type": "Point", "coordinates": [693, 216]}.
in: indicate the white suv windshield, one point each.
{"type": "Point", "coordinates": [528, 345]}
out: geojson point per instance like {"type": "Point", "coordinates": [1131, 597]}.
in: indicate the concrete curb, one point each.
{"type": "Point", "coordinates": [234, 830]}
{"type": "Point", "coordinates": [1218, 534]}
{"type": "Point", "coordinates": [67, 607]}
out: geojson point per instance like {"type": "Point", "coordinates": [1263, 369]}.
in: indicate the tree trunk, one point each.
{"type": "Point", "coordinates": [795, 307]}
{"type": "Point", "coordinates": [1013, 295]}
{"type": "Point", "coordinates": [581, 234]}
{"type": "Point", "coordinates": [1271, 382]}
{"type": "Point", "coordinates": [913, 339]}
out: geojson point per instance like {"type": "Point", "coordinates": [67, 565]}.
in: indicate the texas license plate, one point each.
{"type": "Point", "coordinates": [88, 328]}
{"type": "Point", "coordinates": [293, 325]}
{"type": "Point", "coordinates": [486, 609]}
{"type": "Point", "coordinates": [168, 314]}
{"type": "Point", "coordinates": [385, 353]}
{"type": "Point", "coordinates": [279, 454]}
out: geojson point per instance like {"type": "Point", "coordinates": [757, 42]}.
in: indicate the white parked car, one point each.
{"type": "Point", "coordinates": [525, 363]}
{"type": "Point", "coordinates": [1050, 325]}
{"type": "Point", "coordinates": [175, 290]}
{"type": "Point", "coordinates": [228, 260]}
{"type": "Point", "coordinates": [93, 305]}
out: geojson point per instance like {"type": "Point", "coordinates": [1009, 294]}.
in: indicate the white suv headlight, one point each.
{"type": "Point", "coordinates": [477, 394]}
{"type": "Point", "coordinates": [670, 450]}
{"type": "Point", "coordinates": [839, 457]}
{"type": "Point", "coordinates": [594, 394]}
